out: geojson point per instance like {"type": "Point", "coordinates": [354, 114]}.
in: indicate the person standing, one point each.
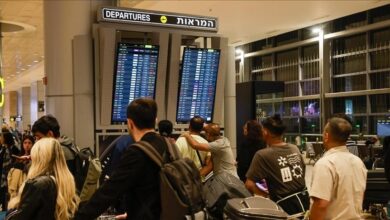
{"type": "Point", "coordinates": [281, 166]}
{"type": "Point", "coordinates": [201, 158]}
{"type": "Point", "coordinates": [18, 173]}
{"type": "Point", "coordinates": [339, 177]}
{"type": "Point", "coordinates": [136, 176]}
{"type": "Point", "coordinates": [49, 192]}
{"type": "Point", "coordinates": [219, 146]}
{"type": "Point", "coordinates": [48, 126]}
{"type": "Point", "coordinates": [8, 153]}
{"type": "Point", "coordinates": [253, 141]}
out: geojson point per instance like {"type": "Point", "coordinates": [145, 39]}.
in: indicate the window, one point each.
{"type": "Point", "coordinates": [310, 87]}
{"type": "Point", "coordinates": [349, 83]}
{"type": "Point", "coordinates": [380, 103]}
{"type": "Point", "coordinates": [350, 105]}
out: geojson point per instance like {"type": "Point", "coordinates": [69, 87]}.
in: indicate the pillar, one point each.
{"type": "Point", "coordinates": [230, 100]}
{"type": "Point", "coordinates": [10, 107]}
{"type": "Point", "coordinates": [24, 103]}
{"type": "Point", "coordinates": [63, 22]}
{"type": "Point", "coordinates": [37, 96]}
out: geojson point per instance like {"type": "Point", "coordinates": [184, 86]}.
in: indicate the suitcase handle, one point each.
{"type": "Point", "coordinates": [244, 203]}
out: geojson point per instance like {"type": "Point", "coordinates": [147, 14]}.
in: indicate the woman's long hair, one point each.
{"type": "Point", "coordinates": [48, 158]}
{"type": "Point", "coordinates": [253, 131]}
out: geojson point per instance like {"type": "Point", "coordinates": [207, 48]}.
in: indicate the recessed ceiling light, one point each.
{"type": "Point", "coordinates": [28, 65]}
{"type": "Point", "coordinates": [23, 69]}
{"type": "Point", "coordinates": [36, 61]}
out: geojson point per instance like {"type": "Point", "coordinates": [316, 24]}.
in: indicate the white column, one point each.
{"type": "Point", "coordinates": [25, 108]}
{"type": "Point", "coordinates": [10, 107]}
{"type": "Point", "coordinates": [230, 100]}
{"type": "Point", "coordinates": [36, 95]}
{"type": "Point", "coordinates": [63, 21]}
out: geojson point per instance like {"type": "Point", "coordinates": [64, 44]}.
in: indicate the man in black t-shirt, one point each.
{"type": "Point", "coordinates": [282, 166]}
{"type": "Point", "coordinates": [136, 176]}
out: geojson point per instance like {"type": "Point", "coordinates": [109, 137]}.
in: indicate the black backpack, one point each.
{"type": "Point", "coordinates": [87, 171]}
{"type": "Point", "coordinates": [180, 183]}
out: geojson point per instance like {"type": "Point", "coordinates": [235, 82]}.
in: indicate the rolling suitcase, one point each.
{"type": "Point", "coordinates": [218, 189]}
{"type": "Point", "coordinates": [253, 208]}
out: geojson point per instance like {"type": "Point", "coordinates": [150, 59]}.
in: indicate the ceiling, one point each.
{"type": "Point", "coordinates": [240, 21]}
{"type": "Point", "coordinates": [22, 51]}
{"type": "Point", "coordinates": [246, 21]}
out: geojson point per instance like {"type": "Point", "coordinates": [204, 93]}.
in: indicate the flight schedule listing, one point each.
{"type": "Point", "coordinates": [136, 71]}
{"type": "Point", "coordinates": [197, 84]}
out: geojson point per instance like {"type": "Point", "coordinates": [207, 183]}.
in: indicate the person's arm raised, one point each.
{"type": "Point", "coordinates": [194, 144]}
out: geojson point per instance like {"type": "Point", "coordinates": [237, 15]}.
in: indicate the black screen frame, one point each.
{"type": "Point", "coordinates": [180, 83]}
{"type": "Point", "coordinates": [115, 75]}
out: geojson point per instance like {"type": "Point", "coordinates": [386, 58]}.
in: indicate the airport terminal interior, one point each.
{"type": "Point", "coordinates": [84, 61]}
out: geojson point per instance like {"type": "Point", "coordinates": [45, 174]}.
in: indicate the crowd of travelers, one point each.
{"type": "Point", "coordinates": [38, 175]}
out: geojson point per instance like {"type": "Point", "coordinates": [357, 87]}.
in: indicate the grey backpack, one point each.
{"type": "Point", "coordinates": [180, 183]}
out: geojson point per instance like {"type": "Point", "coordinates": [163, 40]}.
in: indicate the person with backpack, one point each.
{"type": "Point", "coordinates": [137, 175]}
{"type": "Point", "coordinates": [48, 126]}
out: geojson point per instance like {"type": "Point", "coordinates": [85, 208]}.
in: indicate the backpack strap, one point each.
{"type": "Point", "coordinates": [149, 150]}
{"type": "Point", "coordinates": [199, 158]}
{"type": "Point", "coordinates": [173, 150]}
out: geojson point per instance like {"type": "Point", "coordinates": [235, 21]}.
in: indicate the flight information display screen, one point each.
{"type": "Point", "coordinates": [198, 81]}
{"type": "Point", "coordinates": [383, 128]}
{"type": "Point", "coordinates": [135, 77]}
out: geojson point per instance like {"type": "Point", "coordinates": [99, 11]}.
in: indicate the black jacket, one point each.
{"type": "Point", "coordinates": [136, 177]}
{"type": "Point", "coordinates": [38, 200]}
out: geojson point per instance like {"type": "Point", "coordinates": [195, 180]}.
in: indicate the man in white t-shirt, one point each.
{"type": "Point", "coordinates": [200, 158]}
{"type": "Point", "coordinates": [339, 177]}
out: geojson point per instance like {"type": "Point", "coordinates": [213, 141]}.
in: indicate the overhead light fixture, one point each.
{"type": "Point", "coordinates": [239, 51]}
{"type": "Point", "coordinates": [316, 30]}
{"type": "Point", "coordinates": [36, 61]}
{"type": "Point", "coordinates": [28, 65]}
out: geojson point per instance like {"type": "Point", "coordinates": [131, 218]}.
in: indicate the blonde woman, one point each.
{"type": "Point", "coordinates": [49, 192]}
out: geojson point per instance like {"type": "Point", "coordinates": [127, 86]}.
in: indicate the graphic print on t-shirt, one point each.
{"type": "Point", "coordinates": [290, 167]}
{"type": "Point", "coordinates": [286, 174]}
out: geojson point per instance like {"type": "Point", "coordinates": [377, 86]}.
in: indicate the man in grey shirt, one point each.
{"type": "Point", "coordinates": [221, 152]}
{"type": "Point", "coordinates": [282, 166]}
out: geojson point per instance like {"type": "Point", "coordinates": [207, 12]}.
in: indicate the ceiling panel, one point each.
{"type": "Point", "coordinates": [21, 50]}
